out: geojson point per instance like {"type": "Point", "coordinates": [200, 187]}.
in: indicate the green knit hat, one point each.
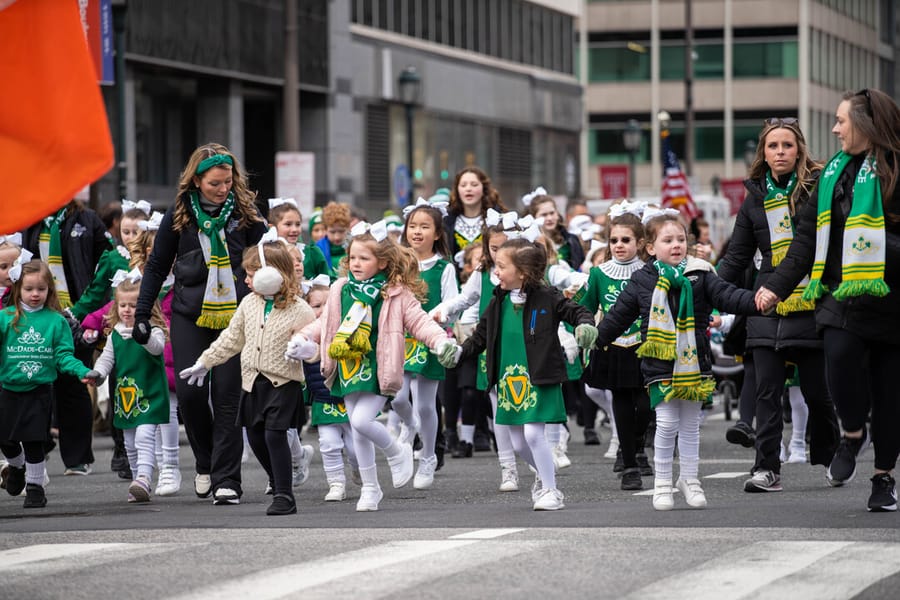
{"type": "Point", "coordinates": [315, 218]}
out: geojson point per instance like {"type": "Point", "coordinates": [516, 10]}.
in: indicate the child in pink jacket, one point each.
{"type": "Point", "coordinates": [364, 326]}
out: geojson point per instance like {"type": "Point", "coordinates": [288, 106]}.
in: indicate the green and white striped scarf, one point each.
{"type": "Point", "coordinates": [671, 336]}
{"type": "Point", "coordinates": [220, 297]}
{"type": "Point", "coordinates": [781, 234]}
{"type": "Point", "coordinates": [863, 245]}
{"type": "Point", "coordinates": [50, 247]}
{"type": "Point", "coordinates": [352, 338]}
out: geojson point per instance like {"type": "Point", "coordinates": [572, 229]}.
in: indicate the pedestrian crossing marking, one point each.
{"type": "Point", "coordinates": [727, 475]}
{"type": "Point", "coordinates": [484, 534]}
{"type": "Point", "coordinates": [18, 557]}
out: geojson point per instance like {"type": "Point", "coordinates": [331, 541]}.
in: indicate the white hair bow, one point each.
{"type": "Point", "coordinates": [590, 231]}
{"type": "Point", "coordinates": [527, 221]}
{"type": "Point", "coordinates": [270, 237]}
{"type": "Point", "coordinates": [122, 275]}
{"type": "Point", "coordinates": [440, 202]}
{"type": "Point", "coordinates": [141, 205]}
{"type": "Point", "coordinates": [378, 230]}
{"type": "Point", "coordinates": [12, 238]}
{"type": "Point", "coordinates": [420, 201]}
{"type": "Point", "coordinates": [493, 218]}
{"type": "Point", "coordinates": [652, 212]}
{"type": "Point", "coordinates": [530, 229]}
{"type": "Point", "coordinates": [538, 191]}
{"type": "Point", "coordinates": [460, 258]}
{"type": "Point", "coordinates": [623, 207]}
{"type": "Point", "coordinates": [273, 202]}
{"type": "Point", "coordinates": [579, 223]}
{"type": "Point", "coordinates": [151, 224]}
{"type": "Point", "coordinates": [320, 279]}
{"type": "Point", "coordinates": [15, 271]}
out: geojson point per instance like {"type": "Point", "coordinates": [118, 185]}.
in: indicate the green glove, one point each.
{"type": "Point", "coordinates": [585, 336]}
{"type": "Point", "coordinates": [448, 353]}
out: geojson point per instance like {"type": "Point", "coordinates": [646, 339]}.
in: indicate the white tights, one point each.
{"type": "Point", "coordinates": [332, 439]}
{"type": "Point", "coordinates": [603, 399]}
{"type": "Point", "coordinates": [531, 444]}
{"type": "Point", "coordinates": [679, 418]}
{"type": "Point", "coordinates": [505, 451]}
{"type": "Point", "coordinates": [363, 407]}
{"type": "Point", "coordinates": [167, 436]}
{"type": "Point", "coordinates": [799, 417]}
{"type": "Point", "coordinates": [140, 445]}
{"type": "Point", "coordinates": [424, 393]}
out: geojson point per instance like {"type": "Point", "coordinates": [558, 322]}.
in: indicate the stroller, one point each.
{"type": "Point", "coordinates": [728, 371]}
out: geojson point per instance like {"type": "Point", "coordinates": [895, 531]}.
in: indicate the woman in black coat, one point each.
{"type": "Point", "coordinates": [212, 182]}
{"type": "Point", "coordinates": [780, 179]}
{"type": "Point", "coordinates": [859, 321]}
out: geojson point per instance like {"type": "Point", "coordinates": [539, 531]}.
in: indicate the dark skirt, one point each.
{"type": "Point", "coordinates": [25, 416]}
{"type": "Point", "coordinates": [277, 408]}
{"type": "Point", "coordinates": [615, 368]}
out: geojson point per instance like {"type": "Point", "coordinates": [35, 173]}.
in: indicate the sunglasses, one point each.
{"type": "Point", "coordinates": [781, 121]}
{"type": "Point", "coordinates": [624, 240]}
{"type": "Point", "coordinates": [865, 92]}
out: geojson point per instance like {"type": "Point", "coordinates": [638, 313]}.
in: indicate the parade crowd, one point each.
{"type": "Point", "coordinates": [461, 325]}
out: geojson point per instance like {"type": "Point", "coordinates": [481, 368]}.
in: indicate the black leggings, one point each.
{"type": "Point", "coordinates": [74, 415]}
{"type": "Point", "coordinates": [747, 400]}
{"type": "Point", "coordinates": [860, 375]}
{"type": "Point", "coordinates": [771, 372]}
{"type": "Point", "coordinates": [274, 454]}
{"type": "Point", "coordinates": [631, 409]}
{"type": "Point", "coordinates": [34, 451]}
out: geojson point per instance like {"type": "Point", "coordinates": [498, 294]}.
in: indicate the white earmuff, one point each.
{"type": "Point", "coordinates": [267, 281]}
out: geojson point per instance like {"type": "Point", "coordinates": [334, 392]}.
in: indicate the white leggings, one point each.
{"type": "Point", "coordinates": [332, 439]}
{"type": "Point", "coordinates": [679, 418]}
{"type": "Point", "coordinates": [799, 417]}
{"type": "Point", "coordinates": [424, 392]}
{"type": "Point", "coordinates": [506, 454]}
{"type": "Point", "coordinates": [603, 399]}
{"type": "Point", "coordinates": [140, 445]}
{"type": "Point", "coordinates": [368, 433]}
{"type": "Point", "coordinates": [531, 444]}
{"type": "Point", "coordinates": [166, 436]}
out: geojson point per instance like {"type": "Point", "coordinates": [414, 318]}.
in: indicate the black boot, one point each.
{"type": "Point", "coordinates": [463, 450]}
{"type": "Point", "coordinates": [591, 438]}
{"type": "Point", "coordinates": [34, 496]}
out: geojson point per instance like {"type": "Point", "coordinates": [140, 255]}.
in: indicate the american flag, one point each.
{"type": "Point", "coordinates": [676, 191]}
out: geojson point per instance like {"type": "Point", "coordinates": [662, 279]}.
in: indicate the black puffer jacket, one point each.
{"type": "Point", "coordinates": [576, 252]}
{"type": "Point", "coordinates": [545, 307]}
{"type": "Point", "coordinates": [872, 318]}
{"type": "Point", "coordinates": [183, 250]}
{"type": "Point", "coordinates": [710, 291]}
{"type": "Point", "coordinates": [751, 231]}
{"type": "Point", "coordinates": [84, 240]}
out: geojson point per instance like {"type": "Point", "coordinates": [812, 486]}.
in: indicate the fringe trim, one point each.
{"type": "Point", "coordinates": [794, 304]}
{"type": "Point", "coordinates": [872, 287]}
{"type": "Point", "coordinates": [696, 393]}
{"type": "Point", "coordinates": [215, 321]}
{"type": "Point", "coordinates": [656, 350]}
{"type": "Point", "coordinates": [342, 351]}
{"type": "Point", "coordinates": [778, 256]}
{"type": "Point", "coordinates": [814, 290]}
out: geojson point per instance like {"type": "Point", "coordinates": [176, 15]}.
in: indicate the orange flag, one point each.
{"type": "Point", "coordinates": [54, 133]}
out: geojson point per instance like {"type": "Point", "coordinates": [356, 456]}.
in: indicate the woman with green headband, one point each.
{"type": "Point", "coordinates": [201, 241]}
{"type": "Point", "coordinates": [848, 241]}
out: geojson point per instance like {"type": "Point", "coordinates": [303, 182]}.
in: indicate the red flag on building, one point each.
{"type": "Point", "coordinates": [676, 191]}
{"type": "Point", "coordinates": [54, 133]}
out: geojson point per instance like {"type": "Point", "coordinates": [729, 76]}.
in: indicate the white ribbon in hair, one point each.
{"type": "Point", "coordinates": [141, 205]}
{"type": "Point", "coordinates": [623, 207]}
{"type": "Point", "coordinates": [579, 223]}
{"type": "Point", "coordinates": [651, 212]}
{"type": "Point", "coordinates": [12, 238]}
{"type": "Point", "coordinates": [273, 202]}
{"type": "Point", "coordinates": [493, 218]}
{"type": "Point", "coordinates": [460, 258]}
{"type": "Point", "coordinates": [590, 231]}
{"type": "Point", "coordinates": [122, 275]}
{"type": "Point", "coordinates": [531, 233]}
{"type": "Point", "coordinates": [420, 201]}
{"type": "Point", "coordinates": [538, 191]}
{"type": "Point", "coordinates": [378, 230]}
{"type": "Point", "coordinates": [151, 224]}
{"type": "Point", "coordinates": [15, 271]}
{"type": "Point", "coordinates": [527, 221]}
{"type": "Point", "coordinates": [438, 201]}
{"type": "Point", "coordinates": [320, 279]}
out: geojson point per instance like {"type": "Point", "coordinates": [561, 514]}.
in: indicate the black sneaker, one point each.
{"type": "Point", "coordinates": [462, 450]}
{"type": "Point", "coordinates": [439, 453]}
{"type": "Point", "coordinates": [34, 496]}
{"type": "Point", "coordinates": [119, 461]}
{"type": "Point", "coordinates": [742, 434]}
{"type": "Point", "coordinates": [884, 493]}
{"type": "Point", "coordinates": [591, 438]}
{"type": "Point", "coordinates": [843, 466]}
{"type": "Point", "coordinates": [15, 481]}
{"type": "Point", "coordinates": [643, 464]}
{"type": "Point", "coordinates": [620, 462]}
{"type": "Point", "coordinates": [482, 441]}
{"type": "Point", "coordinates": [282, 504]}
{"type": "Point", "coordinates": [631, 479]}
{"type": "Point", "coordinates": [763, 480]}
{"type": "Point", "coordinates": [451, 439]}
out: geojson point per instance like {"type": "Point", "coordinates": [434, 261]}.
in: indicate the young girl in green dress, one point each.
{"type": "Point", "coordinates": [525, 359]}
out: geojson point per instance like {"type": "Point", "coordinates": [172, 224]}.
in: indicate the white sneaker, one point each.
{"type": "Point", "coordinates": [337, 492]}
{"type": "Point", "coordinates": [301, 467]}
{"type": "Point", "coordinates": [509, 478]}
{"type": "Point", "coordinates": [226, 496]}
{"type": "Point", "coordinates": [408, 432]}
{"type": "Point", "coordinates": [560, 460]}
{"type": "Point", "coordinates": [782, 456]}
{"type": "Point", "coordinates": [663, 498]}
{"type": "Point", "coordinates": [693, 493]}
{"type": "Point", "coordinates": [564, 437]}
{"type": "Point", "coordinates": [425, 475]}
{"type": "Point", "coordinates": [369, 497]}
{"type": "Point", "coordinates": [355, 477]}
{"type": "Point", "coordinates": [269, 489]}
{"type": "Point", "coordinates": [613, 448]}
{"type": "Point", "coordinates": [202, 485]}
{"type": "Point", "coordinates": [551, 499]}
{"type": "Point", "coordinates": [797, 453]}
{"type": "Point", "coordinates": [401, 466]}
{"type": "Point", "coordinates": [169, 481]}
{"type": "Point", "coordinates": [536, 488]}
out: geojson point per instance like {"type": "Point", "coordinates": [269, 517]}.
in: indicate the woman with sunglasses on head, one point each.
{"type": "Point", "coordinates": [849, 236]}
{"type": "Point", "coordinates": [779, 183]}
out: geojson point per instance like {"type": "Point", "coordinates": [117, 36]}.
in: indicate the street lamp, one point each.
{"type": "Point", "coordinates": [409, 84]}
{"type": "Point", "coordinates": [631, 138]}
{"type": "Point", "coordinates": [749, 153]}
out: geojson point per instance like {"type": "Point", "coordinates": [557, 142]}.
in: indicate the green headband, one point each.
{"type": "Point", "coordinates": [214, 161]}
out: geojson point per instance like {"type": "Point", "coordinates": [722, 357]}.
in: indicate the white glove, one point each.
{"type": "Point", "coordinates": [439, 314]}
{"type": "Point", "coordinates": [90, 335]}
{"type": "Point", "coordinates": [567, 341]}
{"type": "Point", "coordinates": [195, 375]}
{"type": "Point", "coordinates": [300, 348]}
{"type": "Point", "coordinates": [448, 353]}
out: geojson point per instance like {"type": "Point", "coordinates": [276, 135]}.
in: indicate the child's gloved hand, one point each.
{"type": "Point", "coordinates": [92, 378]}
{"type": "Point", "coordinates": [448, 353]}
{"type": "Point", "coordinates": [195, 374]}
{"type": "Point", "coordinates": [439, 314]}
{"type": "Point", "coordinates": [90, 335]}
{"type": "Point", "coordinates": [299, 347]}
{"type": "Point", "coordinates": [585, 336]}
{"type": "Point", "coordinates": [140, 333]}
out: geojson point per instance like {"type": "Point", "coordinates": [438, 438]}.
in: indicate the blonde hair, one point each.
{"type": "Point", "coordinates": [140, 247]}
{"type": "Point", "coordinates": [243, 197]}
{"type": "Point", "coordinates": [402, 264]}
{"type": "Point", "coordinates": [31, 267]}
{"type": "Point", "coordinates": [277, 256]}
{"type": "Point", "coordinates": [112, 317]}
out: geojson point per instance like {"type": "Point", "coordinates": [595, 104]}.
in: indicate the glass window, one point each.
{"type": "Point", "coordinates": [618, 64]}
{"type": "Point", "coordinates": [765, 59]}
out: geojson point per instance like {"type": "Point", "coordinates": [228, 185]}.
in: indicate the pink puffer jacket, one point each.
{"type": "Point", "coordinates": [400, 312]}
